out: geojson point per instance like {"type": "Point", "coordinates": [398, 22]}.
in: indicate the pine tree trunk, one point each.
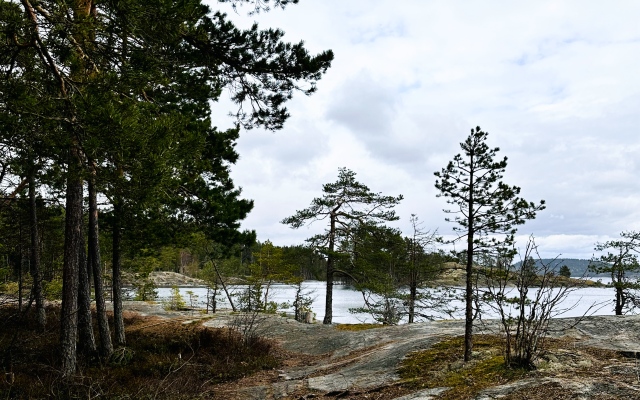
{"type": "Point", "coordinates": [619, 300]}
{"type": "Point", "coordinates": [468, 325]}
{"type": "Point", "coordinates": [118, 321]}
{"type": "Point", "coordinates": [328, 305]}
{"type": "Point", "coordinates": [70, 268]}
{"type": "Point", "coordinates": [36, 274]}
{"type": "Point", "coordinates": [224, 287]}
{"type": "Point", "coordinates": [413, 294]}
{"type": "Point", "coordinates": [87, 339]}
{"type": "Point", "coordinates": [20, 267]}
{"type": "Point", "coordinates": [106, 347]}
{"type": "Point", "coordinates": [73, 229]}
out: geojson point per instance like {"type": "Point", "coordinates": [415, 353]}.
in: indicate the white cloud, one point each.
{"type": "Point", "coordinates": [555, 84]}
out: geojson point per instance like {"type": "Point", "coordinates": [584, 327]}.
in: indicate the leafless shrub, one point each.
{"type": "Point", "coordinates": [250, 325]}
{"type": "Point", "coordinates": [526, 296]}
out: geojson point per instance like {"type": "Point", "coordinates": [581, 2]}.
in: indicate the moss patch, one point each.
{"type": "Point", "coordinates": [358, 327]}
{"type": "Point", "coordinates": [441, 366]}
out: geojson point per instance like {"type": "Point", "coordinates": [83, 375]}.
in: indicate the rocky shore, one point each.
{"type": "Point", "coordinates": [165, 279]}
{"type": "Point", "coordinates": [168, 279]}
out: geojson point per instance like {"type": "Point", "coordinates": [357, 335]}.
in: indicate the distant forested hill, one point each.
{"type": "Point", "coordinates": [578, 267]}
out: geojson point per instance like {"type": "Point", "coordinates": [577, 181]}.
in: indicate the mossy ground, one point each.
{"type": "Point", "coordinates": [441, 366]}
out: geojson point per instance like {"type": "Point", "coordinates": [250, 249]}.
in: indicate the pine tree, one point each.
{"type": "Point", "coordinates": [343, 203]}
{"type": "Point", "coordinates": [486, 210]}
{"type": "Point", "coordinates": [565, 271]}
{"type": "Point", "coordinates": [621, 263]}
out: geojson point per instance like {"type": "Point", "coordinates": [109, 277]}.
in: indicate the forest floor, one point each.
{"type": "Point", "coordinates": [591, 358]}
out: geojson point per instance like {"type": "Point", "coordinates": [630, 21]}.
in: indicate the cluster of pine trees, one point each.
{"type": "Point", "coordinates": [105, 124]}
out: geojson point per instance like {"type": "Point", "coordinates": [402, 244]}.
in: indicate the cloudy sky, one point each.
{"type": "Point", "coordinates": [555, 83]}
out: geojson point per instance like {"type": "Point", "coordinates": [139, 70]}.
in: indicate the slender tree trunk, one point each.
{"type": "Point", "coordinates": [266, 295]}
{"type": "Point", "coordinates": [118, 321]}
{"type": "Point", "coordinates": [328, 305]}
{"type": "Point", "coordinates": [106, 347]}
{"type": "Point", "coordinates": [224, 287]}
{"type": "Point", "coordinates": [297, 303]}
{"type": "Point", "coordinates": [87, 340]}
{"type": "Point", "coordinates": [70, 268]}
{"type": "Point", "coordinates": [212, 302]}
{"type": "Point", "coordinates": [73, 226]}
{"type": "Point", "coordinates": [20, 267]}
{"type": "Point", "coordinates": [468, 326]}
{"type": "Point", "coordinates": [617, 277]}
{"type": "Point", "coordinates": [36, 274]}
{"type": "Point", "coordinates": [619, 300]}
{"type": "Point", "coordinates": [413, 276]}
{"type": "Point", "coordinates": [413, 293]}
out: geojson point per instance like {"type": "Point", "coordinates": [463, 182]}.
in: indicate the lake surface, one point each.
{"type": "Point", "coordinates": [576, 303]}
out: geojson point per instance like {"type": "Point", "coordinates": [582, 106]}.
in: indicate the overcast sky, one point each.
{"type": "Point", "coordinates": [555, 83]}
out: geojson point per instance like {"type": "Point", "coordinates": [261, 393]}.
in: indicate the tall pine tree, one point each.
{"type": "Point", "coordinates": [486, 210]}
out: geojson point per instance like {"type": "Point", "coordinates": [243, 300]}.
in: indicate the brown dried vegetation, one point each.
{"type": "Point", "coordinates": [165, 359]}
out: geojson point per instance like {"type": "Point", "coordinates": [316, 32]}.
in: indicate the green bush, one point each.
{"type": "Point", "coordinates": [53, 289]}
{"type": "Point", "coordinates": [250, 299]}
{"type": "Point", "coordinates": [145, 288]}
{"type": "Point", "coordinates": [175, 301]}
{"type": "Point", "coordinates": [10, 288]}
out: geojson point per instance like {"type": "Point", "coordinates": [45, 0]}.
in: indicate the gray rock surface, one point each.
{"type": "Point", "coordinates": [619, 333]}
{"type": "Point", "coordinates": [426, 394]}
{"type": "Point", "coordinates": [168, 279]}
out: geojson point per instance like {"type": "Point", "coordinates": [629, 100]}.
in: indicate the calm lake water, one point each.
{"type": "Point", "coordinates": [577, 303]}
